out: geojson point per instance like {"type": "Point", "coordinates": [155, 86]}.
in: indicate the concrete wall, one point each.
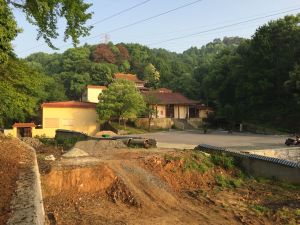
{"type": "Point", "coordinates": [164, 123]}
{"type": "Point", "coordinates": [27, 203]}
{"type": "Point", "coordinates": [195, 122]}
{"type": "Point", "coordinates": [10, 132]}
{"type": "Point", "coordinates": [291, 154]}
{"type": "Point", "coordinates": [261, 166]}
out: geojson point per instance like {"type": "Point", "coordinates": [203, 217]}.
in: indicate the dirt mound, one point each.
{"type": "Point", "coordinates": [177, 170]}
{"type": "Point", "coordinates": [75, 152]}
{"type": "Point", "coordinates": [13, 159]}
{"type": "Point", "coordinates": [33, 142]}
{"type": "Point", "coordinates": [120, 192]}
{"type": "Point", "coordinates": [78, 180]}
{"type": "Point", "coordinates": [94, 147]}
{"type": "Point", "coordinates": [162, 187]}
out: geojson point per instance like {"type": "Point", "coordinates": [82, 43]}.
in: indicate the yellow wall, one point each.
{"type": "Point", "coordinates": [92, 94]}
{"type": "Point", "coordinates": [78, 119]}
{"type": "Point", "coordinates": [11, 132]}
{"type": "Point", "coordinates": [180, 112]}
{"type": "Point", "coordinates": [161, 111]}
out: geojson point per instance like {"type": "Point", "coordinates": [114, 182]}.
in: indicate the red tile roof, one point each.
{"type": "Point", "coordinates": [24, 125]}
{"type": "Point", "coordinates": [69, 104]}
{"type": "Point", "coordinates": [96, 87]}
{"type": "Point", "coordinates": [130, 77]}
{"type": "Point", "coordinates": [164, 98]}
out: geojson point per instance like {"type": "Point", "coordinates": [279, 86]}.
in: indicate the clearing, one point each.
{"type": "Point", "coordinates": [158, 186]}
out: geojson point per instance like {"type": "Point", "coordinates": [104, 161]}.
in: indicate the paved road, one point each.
{"type": "Point", "coordinates": [190, 139]}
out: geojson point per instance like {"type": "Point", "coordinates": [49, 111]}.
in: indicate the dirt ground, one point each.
{"type": "Point", "coordinates": [159, 186]}
{"type": "Point", "coordinates": [13, 159]}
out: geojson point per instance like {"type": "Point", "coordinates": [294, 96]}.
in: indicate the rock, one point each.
{"type": "Point", "coordinates": [50, 158]}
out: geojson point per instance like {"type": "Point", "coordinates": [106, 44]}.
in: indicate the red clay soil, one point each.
{"type": "Point", "coordinates": [152, 187]}
{"type": "Point", "coordinates": [13, 159]}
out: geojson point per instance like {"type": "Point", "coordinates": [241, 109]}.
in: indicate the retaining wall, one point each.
{"type": "Point", "coordinates": [261, 166]}
{"type": "Point", "coordinates": [291, 154]}
{"type": "Point", "coordinates": [27, 204]}
{"type": "Point", "coordinates": [164, 123]}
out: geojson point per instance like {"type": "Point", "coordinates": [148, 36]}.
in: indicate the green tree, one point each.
{"type": "Point", "coordinates": [45, 15]}
{"type": "Point", "coordinates": [151, 76]}
{"type": "Point", "coordinates": [293, 84]}
{"type": "Point", "coordinates": [8, 31]}
{"type": "Point", "coordinates": [120, 100]}
{"type": "Point", "coordinates": [22, 89]}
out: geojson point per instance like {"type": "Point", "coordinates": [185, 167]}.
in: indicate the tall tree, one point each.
{"type": "Point", "coordinates": [151, 76]}
{"type": "Point", "coordinates": [120, 100]}
{"type": "Point", "coordinates": [45, 14]}
{"type": "Point", "coordinates": [22, 89]}
{"type": "Point", "coordinates": [9, 31]}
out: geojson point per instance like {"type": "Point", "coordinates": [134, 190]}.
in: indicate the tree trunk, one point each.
{"type": "Point", "coordinates": [124, 121]}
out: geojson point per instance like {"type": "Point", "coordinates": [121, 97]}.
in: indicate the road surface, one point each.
{"type": "Point", "coordinates": [190, 139]}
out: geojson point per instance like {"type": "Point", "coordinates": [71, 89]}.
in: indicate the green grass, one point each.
{"type": "Point", "coordinates": [197, 162]}
{"type": "Point", "coordinates": [222, 160]}
{"type": "Point", "coordinates": [129, 129]}
{"type": "Point", "coordinates": [228, 182]}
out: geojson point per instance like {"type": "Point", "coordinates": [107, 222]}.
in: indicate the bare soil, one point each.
{"type": "Point", "coordinates": [13, 160]}
{"type": "Point", "coordinates": [157, 186]}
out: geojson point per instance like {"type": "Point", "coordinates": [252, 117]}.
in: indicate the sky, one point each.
{"type": "Point", "coordinates": [183, 27]}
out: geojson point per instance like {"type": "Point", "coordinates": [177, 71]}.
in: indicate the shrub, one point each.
{"type": "Point", "coordinates": [222, 160]}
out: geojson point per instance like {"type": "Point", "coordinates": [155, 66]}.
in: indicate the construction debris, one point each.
{"type": "Point", "coordinates": [33, 142]}
{"type": "Point", "coordinates": [75, 152]}
{"type": "Point", "coordinates": [50, 158]}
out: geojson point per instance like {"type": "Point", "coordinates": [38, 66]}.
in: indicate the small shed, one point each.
{"type": "Point", "coordinates": [24, 129]}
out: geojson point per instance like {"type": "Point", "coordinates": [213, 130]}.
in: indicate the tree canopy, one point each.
{"type": "Point", "coordinates": [44, 15]}
{"type": "Point", "coordinates": [120, 100]}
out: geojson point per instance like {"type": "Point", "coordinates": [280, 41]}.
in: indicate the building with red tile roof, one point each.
{"type": "Point", "coordinates": [69, 104]}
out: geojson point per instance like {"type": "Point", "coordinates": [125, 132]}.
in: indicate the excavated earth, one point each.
{"type": "Point", "coordinates": [156, 186]}
{"type": "Point", "coordinates": [14, 160]}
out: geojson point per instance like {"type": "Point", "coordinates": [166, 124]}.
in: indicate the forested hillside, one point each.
{"type": "Point", "coordinates": [255, 80]}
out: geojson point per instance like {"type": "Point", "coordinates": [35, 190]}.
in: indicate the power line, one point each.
{"type": "Point", "coordinates": [222, 27]}
{"type": "Point", "coordinates": [119, 13]}
{"type": "Point", "coordinates": [100, 21]}
{"type": "Point", "coordinates": [141, 21]}
{"type": "Point", "coordinates": [211, 25]}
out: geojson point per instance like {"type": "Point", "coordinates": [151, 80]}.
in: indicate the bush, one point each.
{"type": "Point", "coordinates": [197, 162]}
{"type": "Point", "coordinates": [222, 160]}
{"type": "Point", "coordinates": [68, 143]}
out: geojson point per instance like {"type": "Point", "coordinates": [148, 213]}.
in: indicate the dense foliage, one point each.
{"type": "Point", "coordinates": [22, 89]}
{"type": "Point", "coordinates": [254, 81]}
{"type": "Point", "coordinates": [121, 100]}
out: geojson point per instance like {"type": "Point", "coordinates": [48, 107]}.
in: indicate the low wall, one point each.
{"type": "Point", "coordinates": [195, 122]}
{"type": "Point", "coordinates": [261, 166]}
{"type": "Point", "coordinates": [27, 204]}
{"type": "Point", "coordinates": [164, 123]}
{"type": "Point", "coordinates": [291, 154]}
